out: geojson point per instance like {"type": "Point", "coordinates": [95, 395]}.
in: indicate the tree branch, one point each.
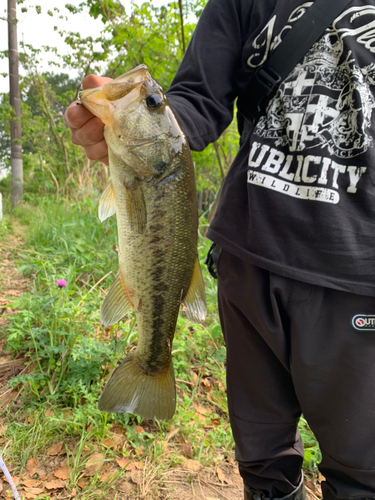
{"type": "Point", "coordinates": [182, 26]}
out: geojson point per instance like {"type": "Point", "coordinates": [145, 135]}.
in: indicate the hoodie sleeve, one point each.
{"type": "Point", "coordinates": [203, 90]}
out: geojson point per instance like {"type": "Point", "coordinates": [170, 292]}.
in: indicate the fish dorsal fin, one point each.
{"type": "Point", "coordinates": [136, 209]}
{"type": "Point", "coordinates": [195, 298]}
{"type": "Point", "coordinates": [116, 304]}
{"type": "Point", "coordinates": [107, 203]}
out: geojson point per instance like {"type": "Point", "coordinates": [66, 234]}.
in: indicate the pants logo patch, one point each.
{"type": "Point", "coordinates": [363, 322]}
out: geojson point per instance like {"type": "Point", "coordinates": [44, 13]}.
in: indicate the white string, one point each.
{"type": "Point", "coordinates": [9, 479]}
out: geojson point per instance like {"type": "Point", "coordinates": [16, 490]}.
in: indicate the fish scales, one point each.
{"type": "Point", "coordinates": [166, 252]}
{"type": "Point", "coordinates": [152, 191]}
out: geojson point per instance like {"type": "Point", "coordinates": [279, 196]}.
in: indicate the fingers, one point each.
{"type": "Point", "coordinates": [76, 115]}
{"type": "Point", "coordinates": [86, 129]}
{"type": "Point", "coordinates": [98, 152]}
{"type": "Point", "coordinates": [89, 132]}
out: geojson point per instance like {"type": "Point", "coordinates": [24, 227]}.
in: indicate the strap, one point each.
{"type": "Point", "coordinates": [296, 43]}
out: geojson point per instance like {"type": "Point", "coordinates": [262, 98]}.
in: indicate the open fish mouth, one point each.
{"type": "Point", "coordinates": [96, 101]}
{"type": "Point", "coordinates": [118, 94]}
{"type": "Point", "coordinates": [119, 87]}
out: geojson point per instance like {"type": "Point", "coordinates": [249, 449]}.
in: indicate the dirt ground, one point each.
{"type": "Point", "coordinates": [208, 484]}
{"type": "Point", "coordinates": [12, 285]}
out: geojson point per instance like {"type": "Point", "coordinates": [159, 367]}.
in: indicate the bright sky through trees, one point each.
{"type": "Point", "coordinates": [38, 29]}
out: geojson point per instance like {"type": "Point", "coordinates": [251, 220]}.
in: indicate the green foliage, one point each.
{"type": "Point", "coordinates": [148, 35]}
{"type": "Point", "coordinates": [6, 112]}
{"type": "Point", "coordinates": [52, 164]}
{"type": "Point", "coordinates": [56, 324]}
{"type": "Point", "coordinates": [5, 227]}
{"type": "Point", "coordinates": [72, 237]}
{"type": "Point", "coordinates": [59, 89]}
{"type": "Point", "coordinates": [312, 452]}
{"type": "Point", "coordinates": [107, 9]}
{"type": "Point", "coordinates": [71, 354]}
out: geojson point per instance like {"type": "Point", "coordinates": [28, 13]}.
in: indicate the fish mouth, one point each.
{"type": "Point", "coordinates": [120, 93]}
{"type": "Point", "coordinates": [119, 87]}
{"type": "Point", "coordinates": [124, 84]}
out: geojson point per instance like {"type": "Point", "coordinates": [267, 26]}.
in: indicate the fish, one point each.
{"type": "Point", "coordinates": [152, 191]}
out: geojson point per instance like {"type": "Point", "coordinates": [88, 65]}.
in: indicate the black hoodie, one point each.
{"type": "Point", "coordinates": [299, 199]}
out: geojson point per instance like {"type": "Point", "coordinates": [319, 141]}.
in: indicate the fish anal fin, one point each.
{"type": "Point", "coordinates": [195, 298]}
{"type": "Point", "coordinates": [107, 203]}
{"type": "Point", "coordinates": [132, 390]}
{"type": "Point", "coordinates": [136, 209]}
{"type": "Point", "coordinates": [116, 303]}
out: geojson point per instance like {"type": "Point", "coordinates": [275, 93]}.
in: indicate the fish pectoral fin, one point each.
{"type": "Point", "coordinates": [132, 390]}
{"type": "Point", "coordinates": [136, 209]}
{"type": "Point", "coordinates": [107, 203]}
{"type": "Point", "coordinates": [116, 304]}
{"type": "Point", "coordinates": [195, 298]}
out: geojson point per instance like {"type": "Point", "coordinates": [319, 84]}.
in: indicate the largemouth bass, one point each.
{"type": "Point", "coordinates": [152, 191]}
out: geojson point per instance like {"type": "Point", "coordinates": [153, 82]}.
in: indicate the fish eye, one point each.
{"type": "Point", "coordinates": [154, 101]}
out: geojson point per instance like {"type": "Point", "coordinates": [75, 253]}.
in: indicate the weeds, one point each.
{"type": "Point", "coordinates": [71, 356]}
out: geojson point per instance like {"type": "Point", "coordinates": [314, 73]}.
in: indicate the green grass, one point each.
{"type": "Point", "coordinates": [71, 355]}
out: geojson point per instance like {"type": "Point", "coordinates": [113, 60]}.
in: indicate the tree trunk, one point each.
{"type": "Point", "coordinates": [14, 98]}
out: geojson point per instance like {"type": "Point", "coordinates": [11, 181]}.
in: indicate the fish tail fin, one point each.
{"type": "Point", "coordinates": [132, 390]}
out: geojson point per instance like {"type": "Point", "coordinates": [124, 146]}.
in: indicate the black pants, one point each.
{"type": "Point", "coordinates": [291, 348]}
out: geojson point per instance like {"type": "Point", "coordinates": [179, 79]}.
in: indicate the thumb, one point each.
{"type": "Point", "coordinates": [93, 81]}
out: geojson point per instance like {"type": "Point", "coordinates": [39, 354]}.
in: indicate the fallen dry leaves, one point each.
{"type": "Point", "coordinates": [206, 385]}
{"type": "Point", "coordinates": [108, 476]}
{"type": "Point", "coordinates": [55, 484]}
{"type": "Point", "coordinates": [134, 466]}
{"type": "Point", "coordinates": [31, 493]}
{"type": "Point", "coordinates": [125, 487]}
{"type": "Point", "coordinates": [61, 473]}
{"type": "Point", "coordinates": [123, 462]}
{"type": "Point", "coordinates": [33, 468]}
{"type": "Point", "coordinates": [82, 483]}
{"type": "Point", "coordinates": [94, 464]}
{"type": "Point", "coordinates": [186, 449]}
{"type": "Point", "coordinates": [118, 429]}
{"type": "Point", "coordinates": [172, 434]}
{"type": "Point", "coordinates": [215, 422]}
{"type": "Point", "coordinates": [192, 465]}
{"type": "Point", "coordinates": [222, 477]}
{"type": "Point", "coordinates": [136, 476]}
{"type": "Point", "coordinates": [31, 483]}
{"type": "Point", "coordinates": [202, 410]}
{"type": "Point", "coordinates": [55, 449]}
{"type": "Point", "coordinates": [115, 441]}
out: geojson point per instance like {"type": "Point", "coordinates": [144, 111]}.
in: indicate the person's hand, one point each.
{"type": "Point", "coordinates": [87, 129]}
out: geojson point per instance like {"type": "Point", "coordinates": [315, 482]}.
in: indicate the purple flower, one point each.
{"type": "Point", "coordinates": [61, 283]}
{"type": "Point", "coordinates": [53, 271]}
{"type": "Point", "coordinates": [33, 276]}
